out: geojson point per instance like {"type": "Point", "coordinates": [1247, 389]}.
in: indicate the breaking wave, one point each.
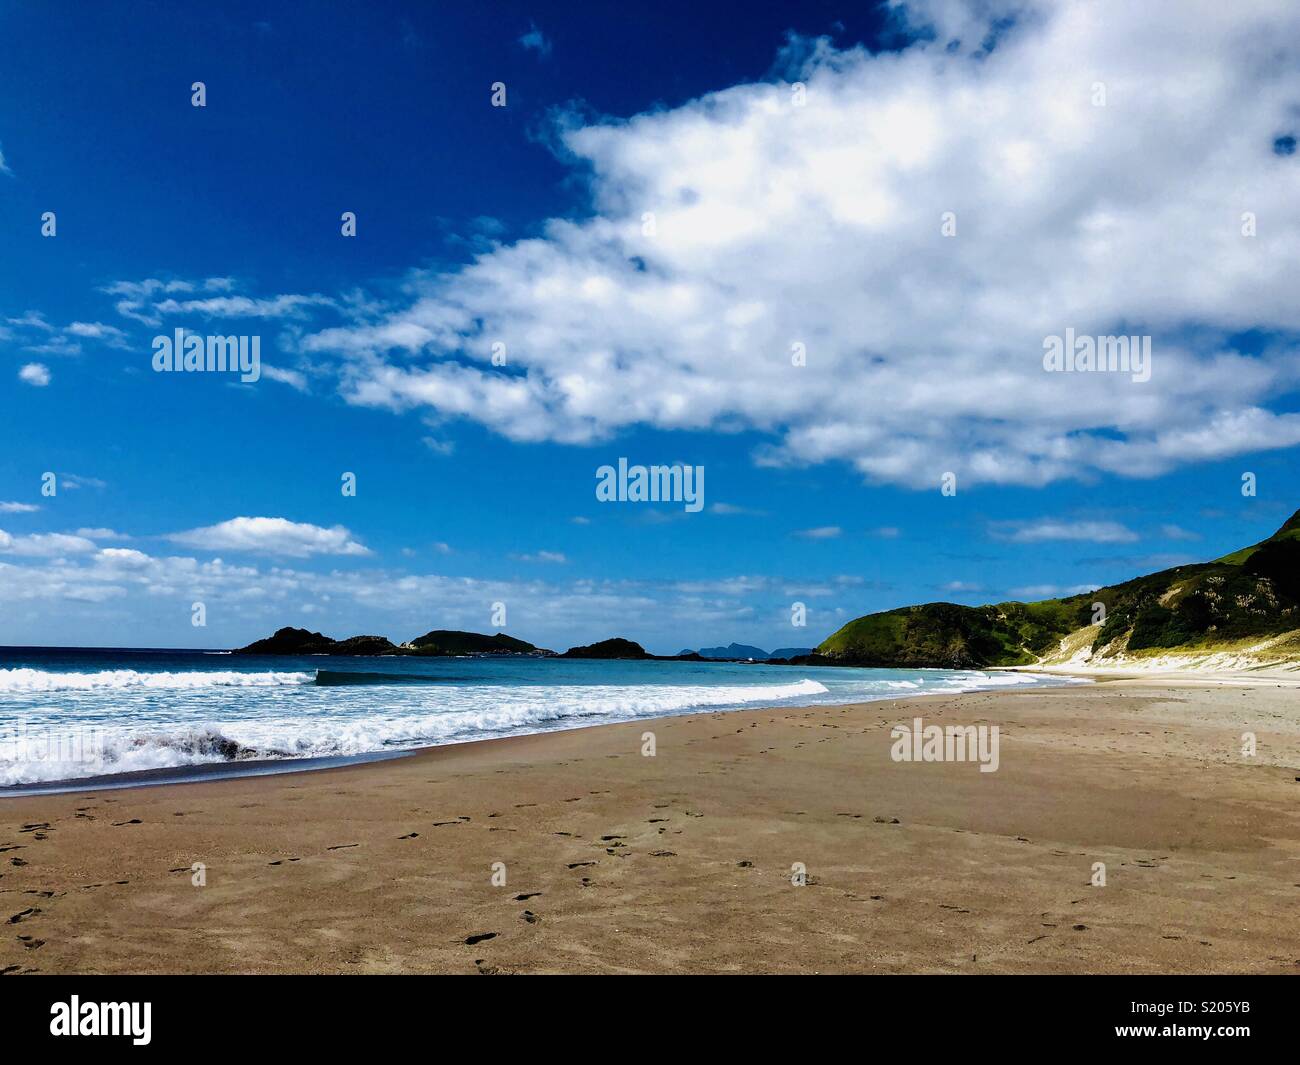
{"type": "Point", "coordinates": [38, 680]}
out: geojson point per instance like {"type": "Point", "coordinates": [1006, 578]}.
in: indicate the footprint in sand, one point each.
{"type": "Point", "coordinates": [530, 917]}
{"type": "Point", "coordinates": [133, 821]}
{"type": "Point", "coordinates": [24, 915]}
{"type": "Point", "coordinates": [580, 865]}
{"type": "Point", "coordinates": [342, 846]}
{"type": "Point", "coordinates": [479, 938]}
{"type": "Point", "coordinates": [528, 895]}
{"type": "Point", "coordinates": [410, 835]}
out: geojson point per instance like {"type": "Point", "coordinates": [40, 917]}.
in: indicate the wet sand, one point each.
{"type": "Point", "coordinates": [682, 862]}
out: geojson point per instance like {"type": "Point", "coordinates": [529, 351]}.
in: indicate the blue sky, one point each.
{"type": "Point", "coordinates": [775, 223]}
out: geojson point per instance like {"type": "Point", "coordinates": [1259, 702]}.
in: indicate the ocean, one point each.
{"type": "Point", "coordinates": [73, 714]}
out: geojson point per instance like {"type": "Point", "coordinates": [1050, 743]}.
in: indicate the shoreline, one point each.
{"type": "Point", "coordinates": [682, 862]}
{"type": "Point", "coordinates": [203, 772]}
{"type": "Point", "coordinates": [192, 773]}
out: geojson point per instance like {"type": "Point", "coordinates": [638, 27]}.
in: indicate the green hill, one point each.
{"type": "Point", "coordinates": [1250, 594]}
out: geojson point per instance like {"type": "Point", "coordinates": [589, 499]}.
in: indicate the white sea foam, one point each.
{"type": "Point", "coordinates": [122, 721]}
{"type": "Point", "coordinates": [38, 680]}
{"type": "Point", "coordinates": [424, 717]}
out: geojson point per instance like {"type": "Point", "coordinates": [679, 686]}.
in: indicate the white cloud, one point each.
{"type": "Point", "coordinates": [109, 334]}
{"type": "Point", "coordinates": [287, 306]}
{"type": "Point", "coordinates": [1043, 529]}
{"type": "Point", "coordinates": [148, 301]}
{"type": "Point", "coordinates": [122, 556]}
{"type": "Point", "coordinates": [730, 509]}
{"type": "Point", "coordinates": [542, 556]}
{"type": "Point", "coordinates": [820, 225]}
{"type": "Point", "coordinates": [76, 480]}
{"type": "Point", "coordinates": [18, 508]}
{"type": "Point", "coordinates": [272, 536]}
{"type": "Point", "coordinates": [292, 378]}
{"type": "Point", "coordinates": [35, 373]}
{"type": "Point", "coordinates": [59, 345]}
{"type": "Point", "coordinates": [44, 545]}
{"type": "Point", "coordinates": [32, 320]}
{"type": "Point", "coordinates": [823, 532]}
{"type": "Point", "coordinates": [247, 601]}
{"type": "Point", "coordinates": [439, 447]}
{"type": "Point", "coordinates": [536, 41]}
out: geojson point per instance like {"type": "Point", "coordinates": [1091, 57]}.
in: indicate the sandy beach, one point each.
{"type": "Point", "coordinates": [615, 862]}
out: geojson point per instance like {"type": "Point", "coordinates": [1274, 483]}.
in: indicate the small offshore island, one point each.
{"type": "Point", "coordinates": [1245, 605]}
{"type": "Point", "coordinates": [445, 643]}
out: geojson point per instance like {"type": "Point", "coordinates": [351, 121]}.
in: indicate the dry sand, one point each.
{"type": "Point", "coordinates": [616, 862]}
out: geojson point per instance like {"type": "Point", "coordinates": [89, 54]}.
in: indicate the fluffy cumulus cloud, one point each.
{"type": "Point", "coordinates": [35, 374]}
{"type": "Point", "coordinates": [272, 536]}
{"type": "Point", "coordinates": [44, 545]}
{"type": "Point", "coordinates": [1098, 158]}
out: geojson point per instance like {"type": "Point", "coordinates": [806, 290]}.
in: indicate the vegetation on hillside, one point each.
{"type": "Point", "coordinates": [1254, 592]}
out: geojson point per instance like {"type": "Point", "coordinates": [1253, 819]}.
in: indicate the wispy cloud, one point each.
{"type": "Point", "coordinates": [1044, 529]}
{"type": "Point", "coordinates": [536, 41]}
{"type": "Point", "coordinates": [728, 509]}
{"type": "Point", "coordinates": [556, 557]}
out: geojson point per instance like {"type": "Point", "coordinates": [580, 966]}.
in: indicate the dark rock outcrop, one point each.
{"type": "Point", "coordinates": [615, 648]}
{"type": "Point", "coordinates": [455, 642]}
